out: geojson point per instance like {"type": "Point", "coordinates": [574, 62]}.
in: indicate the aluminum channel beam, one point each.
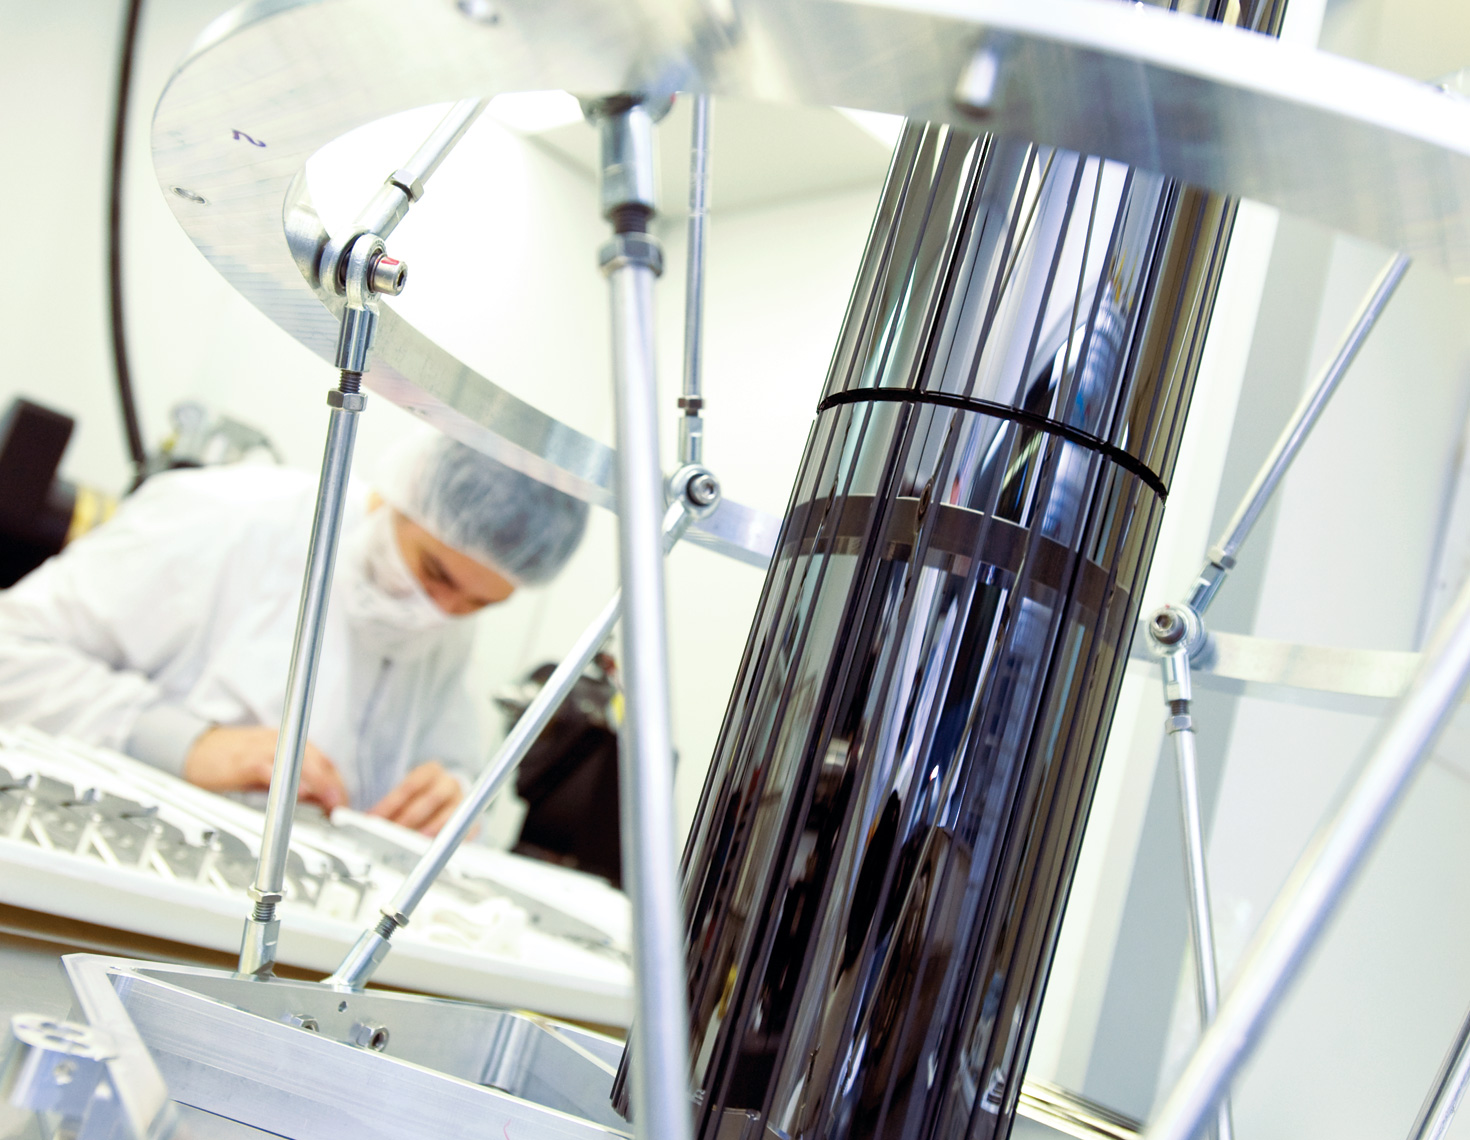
{"type": "Point", "coordinates": [164, 1015]}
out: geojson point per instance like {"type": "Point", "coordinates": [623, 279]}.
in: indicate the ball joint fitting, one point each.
{"type": "Point", "coordinates": [1176, 628]}
{"type": "Point", "coordinates": [697, 488]}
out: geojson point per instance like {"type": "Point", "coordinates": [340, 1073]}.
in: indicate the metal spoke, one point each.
{"type": "Point", "coordinates": [1449, 1086]}
{"type": "Point", "coordinates": [357, 268]}
{"type": "Point", "coordinates": [632, 262]}
{"type": "Point", "coordinates": [691, 402]}
{"type": "Point", "coordinates": [1173, 634]}
{"type": "Point", "coordinates": [1221, 558]}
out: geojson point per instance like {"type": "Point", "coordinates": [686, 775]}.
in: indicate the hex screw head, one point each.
{"type": "Point", "coordinates": [1168, 627]}
{"type": "Point", "coordinates": [703, 490]}
{"type": "Point", "coordinates": [387, 275]}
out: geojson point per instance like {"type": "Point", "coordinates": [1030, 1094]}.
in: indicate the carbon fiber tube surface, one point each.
{"type": "Point", "coordinates": [875, 879]}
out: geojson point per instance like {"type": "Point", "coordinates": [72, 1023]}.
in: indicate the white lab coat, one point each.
{"type": "Point", "coordinates": [179, 613]}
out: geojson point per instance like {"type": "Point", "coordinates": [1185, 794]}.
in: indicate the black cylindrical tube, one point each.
{"type": "Point", "coordinates": [875, 879]}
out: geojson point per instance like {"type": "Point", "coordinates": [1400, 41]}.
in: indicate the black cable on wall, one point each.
{"type": "Point", "coordinates": [127, 405]}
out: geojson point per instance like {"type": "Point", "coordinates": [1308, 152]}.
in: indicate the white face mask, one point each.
{"type": "Point", "coordinates": [377, 590]}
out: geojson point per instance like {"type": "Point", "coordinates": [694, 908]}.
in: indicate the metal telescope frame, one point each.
{"type": "Point", "coordinates": [1403, 149]}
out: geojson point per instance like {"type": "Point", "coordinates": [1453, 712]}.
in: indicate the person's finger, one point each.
{"type": "Point", "coordinates": [441, 817]}
{"type": "Point", "coordinates": [259, 763]}
{"type": "Point", "coordinates": [422, 808]}
{"type": "Point", "coordinates": [321, 783]}
{"type": "Point", "coordinates": [409, 787]}
{"type": "Point", "coordinates": [336, 787]}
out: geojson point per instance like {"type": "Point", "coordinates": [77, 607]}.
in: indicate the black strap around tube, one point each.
{"type": "Point", "coordinates": [1130, 463]}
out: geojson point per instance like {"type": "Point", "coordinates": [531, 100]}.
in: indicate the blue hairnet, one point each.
{"type": "Point", "coordinates": [506, 520]}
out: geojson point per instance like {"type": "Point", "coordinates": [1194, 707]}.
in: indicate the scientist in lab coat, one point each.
{"type": "Point", "coordinates": [166, 633]}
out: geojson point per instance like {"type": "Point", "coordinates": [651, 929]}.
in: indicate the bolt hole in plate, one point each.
{"type": "Point", "coordinates": [1358, 149]}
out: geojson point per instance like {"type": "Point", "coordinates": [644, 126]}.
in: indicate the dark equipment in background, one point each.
{"type": "Point", "coordinates": [39, 513]}
{"type": "Point", "coordinates": [569, 779]}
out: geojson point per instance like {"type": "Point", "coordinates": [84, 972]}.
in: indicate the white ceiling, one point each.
{"type": "Point", "coordinates": [761, 154]}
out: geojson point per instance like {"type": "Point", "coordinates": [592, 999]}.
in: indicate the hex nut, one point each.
{"type": "Point", "coordinates": [370, 1036]}
{"type": "Point", "coordinates": [405, 181]}
{"type": "Point", "coordinates": [632, 249]}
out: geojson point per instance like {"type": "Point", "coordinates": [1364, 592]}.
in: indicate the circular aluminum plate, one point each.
{"type": "Point", "coordinates": [1361, 150]}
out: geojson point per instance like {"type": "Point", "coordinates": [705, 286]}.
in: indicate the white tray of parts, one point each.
{"type": "Point", "coordinates": [92, 835]}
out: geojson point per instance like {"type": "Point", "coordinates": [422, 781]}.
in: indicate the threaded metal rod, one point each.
{"type": "Point", "coordinates": [258, 942]}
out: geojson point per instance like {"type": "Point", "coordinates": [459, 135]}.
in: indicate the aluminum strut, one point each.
{"type": "Point", "coordinates": [1174, 634]}
{"type": "Point", "coordinates": [262, 928]}
{"type": "Point", "coordinates": [632, 262]}
{"type": "Point", "coordinates": [1449, 1086]}
{"type": "Point", "coordinates": [360, 270]}
{"type": "Point", "coordinates": [691, 401]}
{"type": "Point", "coordinates": [369, 272]}
{"type": "Point", "coordinates": [400, 190]}
{"type": "Point", "coordinates": [1221, 558]}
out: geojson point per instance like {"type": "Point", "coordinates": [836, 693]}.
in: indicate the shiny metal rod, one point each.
{"type": "Point", "coordinates": [402, 188]}
{"type": "Point", "coordinates": [632, 261]}
{"type": "Point", "coordinates": [691, 401]}
{"type": "Point", "coordinates": [372, 946]}
{"type": "Point", "coordinates": [660, 1030]}
{"type": "Point", "coordinates": [1221, 557]}
{"type": "Point", "coordinates": [1449, 1087]}
{"type": "Point", "coordinates": [1320, 879]}
{"type": "Point", "coordinates": [262, 928]}
{"type": "Point", "coordinates": [405, 185]}
{"type": "Point", "coordinates": [443, 138]}
{"type": "Point", "coordinates": [1201, 921]}
{"type": "Point", "coordinates": [1174, 632]}
{"type": "Point", "coordinates": [660, 1057]}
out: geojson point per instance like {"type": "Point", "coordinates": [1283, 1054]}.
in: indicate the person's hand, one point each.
{"type": "Point", "coordinates": [225, 759]}
{"type": "Point", "coordinates": [424, 800]}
